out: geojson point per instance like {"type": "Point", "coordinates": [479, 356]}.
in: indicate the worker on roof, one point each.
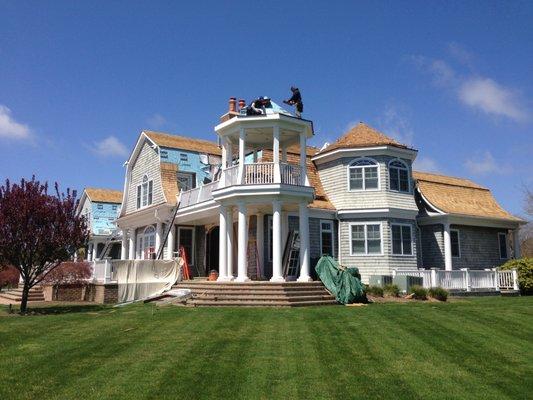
{"type": "Point", "coordinates": [296, 100]}
{"type": "Point", "coordinates": [259, 106]}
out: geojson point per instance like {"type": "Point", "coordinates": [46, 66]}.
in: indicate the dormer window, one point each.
{"type": "Point", "coordinates": [399, 176]}
{"type": "Point", "coordinates": [144, 192]}
{"type": "Point", "coordinates": [363, 174]}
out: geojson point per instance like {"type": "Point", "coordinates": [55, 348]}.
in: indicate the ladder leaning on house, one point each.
{"type": "Point", "coordinates": [167, 232]}
{"type": "Point", "coordinates": [291, 256]}
{"type": "Point", "coordinates": [108, 243]}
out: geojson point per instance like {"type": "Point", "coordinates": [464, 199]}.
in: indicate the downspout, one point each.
{"type": "Point", "coordinates": [339, 258]}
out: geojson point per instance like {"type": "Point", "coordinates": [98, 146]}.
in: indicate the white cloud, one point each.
{"type": "Point", "coordinates": [485, 163]}
{"type": "Point", "coordinates": [11, 129]}
{"type": "Point", "coordinates": [426, 164]}
{"type": "Point", "coordinates": [394, 123]}
{"type": "Point", "coordinates": [492, 98]}
{"type": "Point", "coordinates": [110, 147]}
{"type": "Point", "coordinates": [156, 121]}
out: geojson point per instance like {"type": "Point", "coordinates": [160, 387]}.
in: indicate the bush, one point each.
{"type": "Point", "coordinates": [375, 291]}
{"type": "Point", "coordinates": [391, 290]}
{"type": "Point", "coordinates": [9, 277]}
{"type": "Point", "coordinates": [419, 292]}
{"type": "Point", "coordinates": [438, 293]}
{"type": "Point", "coordinates": [524, 267]}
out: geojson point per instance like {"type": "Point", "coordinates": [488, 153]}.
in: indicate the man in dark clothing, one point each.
{"type": "Point", "coordinates": [257, 107]}
{"type": "Point", "coordinates": [296, 100]}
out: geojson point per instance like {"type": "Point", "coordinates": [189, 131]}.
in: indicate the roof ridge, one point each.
{"type": "Point", "coordinates": [473, 185]}
{"type": "Point", "coordinates": [180, 136]}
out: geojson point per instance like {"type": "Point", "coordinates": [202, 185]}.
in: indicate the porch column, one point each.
{"type": "Point", "coordinates": [89, 252]}
{"type": "Point", "coordinates": [447, 247]}
{"type": "Point", "coordinates": [124, 246]}
{"type": "Point", "coordinates": [304, 180]}
{"type": "Point", "coordinates": [516, 243]}
{"type": "Point", "coordinates": [158, 235]}
{"type": "Point", "coordinates": [275, 156]}
{"type": "Point", "coordinates": [132, 244]}
{"type": "Point", "coordinates": [277, 273]}
{"type": "Point", "coordinates": [229, 265]}
{"type": "Point", "coordinates": [224, 162]}
{"type": "Point", "coordinates": [170, 243]}
{"type": "Point", "coordinates": [242, 244]}
{"type": "Point", "coordinates": [222, 244]}
{"type": "Point", "coordinates": [304, 243]}
{"type": "Point", "coordinates": [259, 235]}
{"type": "Point", "coordinates": [242, 144]}
{"type": "Point", "coordinates": [95, 250]}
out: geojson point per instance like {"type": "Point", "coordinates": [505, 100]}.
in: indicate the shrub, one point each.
{"type": "Point", "coordinates": [438, 293]}
{"type": "Point", "coordinates": [9, 277]}
{"type": "Point", "coordinates": [375, 290]}
{"type": "Point", "coordinates": [419, 292]}
{"type": "Point", "coordinates": [524, 267]}
{"type": "Point", "coordinates": [391, 290]}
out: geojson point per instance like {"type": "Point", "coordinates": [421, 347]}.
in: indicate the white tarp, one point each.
{"type": "Point", "coordinates": [139, 279]}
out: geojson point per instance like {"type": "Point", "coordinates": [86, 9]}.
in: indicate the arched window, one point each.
{"type": "Point", "coordinates": [146, 243]}
{"type": "Point", "coordinates": [398, 176]}
{"type": "Point", "coordinates": [144, 192]}
{"type": "Point", "coordinates": [363, 174]}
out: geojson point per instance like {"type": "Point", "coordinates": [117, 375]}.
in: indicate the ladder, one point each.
{"type": "Point", "coordinates": [107, 245]}
{"type": "Point", "coordinates": [291, 256]}
{"type": "Point", "coordinates": [169, 226]}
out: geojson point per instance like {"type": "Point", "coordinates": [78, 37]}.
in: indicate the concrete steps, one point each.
{"type": "Point", "coordinates": [257, 294]}
{"type": "Point", "coordinates": [15, 295]}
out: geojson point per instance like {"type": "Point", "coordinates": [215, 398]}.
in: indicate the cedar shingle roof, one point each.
{"type": "Point", "coordinates": [362, 135]}
{"type": "Point", "coordinates": [104, 195]}
{"type": "Point", "coordinates": [460, 196]}
{"type": "Point", "coordinates": [184, 143]}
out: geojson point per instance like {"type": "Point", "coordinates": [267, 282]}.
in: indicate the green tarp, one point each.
{"type": "Point", "coordinates": [344, 283]}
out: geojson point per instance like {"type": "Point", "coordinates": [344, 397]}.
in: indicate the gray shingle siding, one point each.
{"type": "Point", "coordinates": [479, 247]}
{"type": "Point", "coordinates": [432, 246]}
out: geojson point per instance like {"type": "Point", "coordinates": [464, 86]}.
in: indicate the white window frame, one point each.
{"type": "Point", "coordinates": [364, 167]}
{"type": "Point", "coordinates": [330, 222]}
{"type": "Point", "coordinates": [402, 254]}
{"type": "Point", "coordinates": [366, 254]}
{"type": "Point", "coordinates": [141, 241]}
{"type": "Point", "coordinates": [145, 190]}
{"type": "Point", "coordinates": [458, 242]}
{"type": "Point", "coordinates": [191, 259]}
{"type": "Point", "coordinates": [506, 246]}
{"type": "Point", "coordinates": [406, 168]}
{"type": "Point", "coordinates": [189, 176]}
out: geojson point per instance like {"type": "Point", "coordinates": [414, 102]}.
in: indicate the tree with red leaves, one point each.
{"type": "Point", "coordinates": [38, 230]}
{"type": "Point", "coordinates": [68, 273]}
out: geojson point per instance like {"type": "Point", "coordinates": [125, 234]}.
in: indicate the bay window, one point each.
{"type": "Point", "coordinates": [399, 176]}
{"type": "Point", "coordinates": [365, 238]}
{"type": "Point", "coordinates": [402, 242]}
{"type": "Point", "coordinates": [363, 174]}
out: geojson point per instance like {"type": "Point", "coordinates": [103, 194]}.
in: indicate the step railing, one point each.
{"type": "Point", "coordinates": [464, 279]}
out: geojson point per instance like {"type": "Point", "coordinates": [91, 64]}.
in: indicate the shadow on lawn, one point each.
{"type": "Point", "coordinates": [57, 309]}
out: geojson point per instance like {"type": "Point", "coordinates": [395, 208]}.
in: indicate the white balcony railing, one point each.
{"type": "Point", "coordinates": [258, 174]}
{"type": "Point", "coordinates": [103, 271]}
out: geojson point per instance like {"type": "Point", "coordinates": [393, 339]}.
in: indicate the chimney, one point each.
{"type": "Point", "coordinates": [232, 104]}
{"type": "Point", "coordinates": [232, 110]}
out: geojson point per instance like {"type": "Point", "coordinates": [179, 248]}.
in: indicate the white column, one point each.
{"type": "Point", "coordinates": [516, 243]}
{"type": "Point", "coordinates": [222, 244]}
{"type": "Point", "coordinates": [447, 247]}
{"type": "Point", "coordinates": [303, 159]}
{"type": "Point", "coordinates": [124, 246]}
{"type": "Point", "coordinates": [259, 235]}
{"type": "Point", "coordinates": [158, 236]}
{"type": "Point", "coordinates": [132, 244]}
{"type": "Point", "coordinates": [170, 243]}
{"type": "Point", "coordinates": [95, 250]}
{"type": "Point", "coordinates": [229, 224]}
{"type": "Point", "coordinates": [242, 144]}
{"type": "Point", "coordinates": [224, 161]}
{"type": "Point", "coordinates": [277, 273]}
{"type": "Point", "coordinates": [304, 243]}
{"type": "Point", "coordinates": [89, 252]}
{"type": "Point", "coordinates": [275, 156]}
{"type": "Point", "coordinates": [242, 244]}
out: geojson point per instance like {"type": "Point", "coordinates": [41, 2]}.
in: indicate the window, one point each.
{"type": "Point", "coordinates": [186, 239]}
{"type": "Point", "coordinates": [399, 176]}
{"type": "Point", "coordinates": [402, 242]}
{"type": "Point", "coordinates": [144, 192]}
{"type": "Point", "coordinates": [502, 241]}
{"type": "Point", "coordinates": [115, 207]}
{"type": "Point", "coordinates": [185, 181]}
{"type": "Point", "coordinates": [146, 244]}
{"type": "Point", "coordinates": [363, 174]}
{"type": "Point", "coordinates": [100, 206]}
{"type": "Point", "coordinates": [184, 157]}
{"type": "Point", "coordinates": [326, 238]}
{"type": "Point", "coordinates": [365, 239]}
{"type": "Point", "coordinates": [454, 239]}
{"type": "Point", "coordinates": [164, 154]}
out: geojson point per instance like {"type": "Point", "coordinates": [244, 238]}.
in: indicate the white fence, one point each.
{"type": "Point", "coordinates": [103, 271]}
{"type": "Point", "coordinates": [464, 279]}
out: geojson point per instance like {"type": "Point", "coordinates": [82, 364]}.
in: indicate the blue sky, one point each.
{"type": "Point", "coordinates": [80, 80]}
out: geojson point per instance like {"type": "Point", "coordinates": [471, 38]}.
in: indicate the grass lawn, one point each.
{"type": "Point", "coordinates": [467, 349]}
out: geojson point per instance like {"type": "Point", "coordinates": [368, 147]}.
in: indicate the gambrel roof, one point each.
{"type": "Point", "coordinates": [183, 143]}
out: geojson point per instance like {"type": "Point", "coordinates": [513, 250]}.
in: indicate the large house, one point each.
{"type": "Point", "coordinates": [260, 204]}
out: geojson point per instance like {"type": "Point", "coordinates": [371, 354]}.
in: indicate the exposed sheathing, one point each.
{"type": "Point", "coordinates": [104, 195]}
{"type": "Point", "coordinates": [169, 181]}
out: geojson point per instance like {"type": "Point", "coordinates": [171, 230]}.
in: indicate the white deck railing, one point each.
{"type": "Point", "coordinates": [291, 174]}
{"type": "Point", "coordinates": [258, 173]}
{"type": "Point", "coordinates": [103, 271]}
{"type": "Point", "coordinates": [464, 279]}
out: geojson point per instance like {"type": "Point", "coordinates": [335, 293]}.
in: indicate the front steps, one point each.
{"type": "Point", "coordinates": [257, 294]}
{"type": "Point", "coordinates": [15, 295]}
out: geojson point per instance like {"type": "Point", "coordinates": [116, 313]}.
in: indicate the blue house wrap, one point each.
{"type": "Point", "coordinates": [188, 161]}
{"type": "Point", "coordinates": [103, 215]}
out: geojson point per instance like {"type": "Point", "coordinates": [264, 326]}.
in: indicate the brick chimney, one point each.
{"type": "Point", "coordinates": [232, 110]}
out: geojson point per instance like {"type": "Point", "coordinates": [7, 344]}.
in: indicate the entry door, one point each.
{"type": "Point", "coordinates": [186, 239]}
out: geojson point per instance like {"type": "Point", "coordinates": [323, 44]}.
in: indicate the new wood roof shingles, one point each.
{"type": "Point", "coordinates": [460, 196]}
{"type": "Point", "coordinates": [183, 143]}
{"type": "Point", "coordinates": [104, 195]}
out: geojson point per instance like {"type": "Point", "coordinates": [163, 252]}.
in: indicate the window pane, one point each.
{"type": "Point", "coordinates": [503, 245]}
{"type": "Point", "coordinates": [327, 245]}
{"type": "Point", "coordinates": [404, 180]}
{"type": "Point", "coordinates": [406, 239]}
{"type": "Point", "coordinates": [325, 226]}
{"type": "Point", "coordinates": [396, 239]}
{"type": "Point", "coordinates": [374, 246]}
{"type": "Point", "coordinates": [358, 232]}
{"type": "Point", "coordinates": [373, 232]}
{"type": "Point", "coordinates": [138, 197]}
{"type": "Point", "coordinates": [371, 178]}
{"type": "Point", "coordinates": [394, 182]}
{"type": "Point", "coordinates": [356, 178]}
{"type": "Point", "coordinates": [454, 237]}
{"type": "Point", "coordinates": [358, 246]}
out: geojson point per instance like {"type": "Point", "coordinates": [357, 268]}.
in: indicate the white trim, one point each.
{"type": "Point", "coordinates": [193, 247]}
{"type": "Point", "coordinates": [506, 246]}
{"type": "Point", "coordinates": [331, 231]}
{"type": "Point", "coordinates": [269, 241]}
{"type": "Point", "coordinates": [458, 242]}
{"type": "Point", "coordinates": [366, 254]}
{"type": "Point", "coordinates": [384, 150]}
{"type": "Point", "coordinates": [407, 169]}
{"type": "Point", "coordinates": [363, 167]}
{"type": "Point", "coordinates": [402, 254]}
{"type": "Point", "coordinates": [428, 203]}
{"type": "Point", "coordinates": [457, 219]}
{"type": "Point", "coordinates": [378, 213]}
